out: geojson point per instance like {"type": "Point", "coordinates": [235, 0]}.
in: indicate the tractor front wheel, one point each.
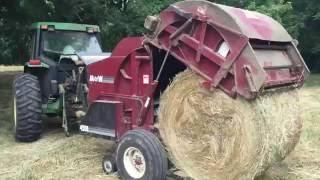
{"type": "Point", "coordinates": [27, 108]}
{"type": "Point", "coordinates": [140, 155]}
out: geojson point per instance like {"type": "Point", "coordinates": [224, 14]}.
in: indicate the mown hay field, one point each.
{"type": "Point", "coordinates": [55, 156]}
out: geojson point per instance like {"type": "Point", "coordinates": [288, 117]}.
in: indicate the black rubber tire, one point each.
{"type": "Point", "coordinates": [26, 92]}
{"type": "Point", "coordinates": [109, 160]}
{"type": "Point", "coordinates": [151, 148]}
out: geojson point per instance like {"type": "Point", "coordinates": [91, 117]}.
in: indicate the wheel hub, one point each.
{"type": "Point", "coordinates": [134, 162]}
{"type": "Point", "coordinates": [108, 166]}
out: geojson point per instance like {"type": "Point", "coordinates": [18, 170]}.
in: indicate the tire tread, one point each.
{"type": "Point", "coordinates": [154, 146]}
{"type": "Point", "coordinates": [26, 89]}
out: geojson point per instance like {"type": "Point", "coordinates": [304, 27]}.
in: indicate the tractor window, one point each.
{"type": "Point", "coordinates": [31, 45]}
{"type": "Point", "coordinates": [79, 42]}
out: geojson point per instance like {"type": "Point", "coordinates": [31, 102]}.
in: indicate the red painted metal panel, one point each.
{"type": "Point", "coordinates": [126, 76]}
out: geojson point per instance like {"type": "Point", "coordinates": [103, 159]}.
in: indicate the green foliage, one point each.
{"type": "Point", "coordinates": [282, 11]}
{"type": "Point", "coordinates": [121, 18]}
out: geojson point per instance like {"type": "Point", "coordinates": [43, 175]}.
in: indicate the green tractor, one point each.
{"type": "Point", "coordinates": [54, 79]}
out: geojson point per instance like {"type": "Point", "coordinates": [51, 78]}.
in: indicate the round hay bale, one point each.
{"type": "Point", "coordinates": [212, 136]}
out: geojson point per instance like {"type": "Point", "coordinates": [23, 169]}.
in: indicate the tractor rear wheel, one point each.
{"type": "Point", "coordinates": [140, 155]}
{"type": "Point", "coordinates": [27, 108]}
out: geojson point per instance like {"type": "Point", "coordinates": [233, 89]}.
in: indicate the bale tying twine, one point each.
{"type": "Point", "coordinates": [212, 136]}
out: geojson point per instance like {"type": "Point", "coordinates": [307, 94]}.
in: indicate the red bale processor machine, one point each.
{"type": "Point", "coordinates": [243, 53]}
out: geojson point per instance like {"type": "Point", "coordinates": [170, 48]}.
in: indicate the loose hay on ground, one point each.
{"type": "Point", "coordinates": [55, 157]}
{"type": "Point", "coordinates": [212, 136]}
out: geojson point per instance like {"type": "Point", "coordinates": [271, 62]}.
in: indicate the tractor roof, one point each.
{"type": "Point", "coordinates": [65, 26]}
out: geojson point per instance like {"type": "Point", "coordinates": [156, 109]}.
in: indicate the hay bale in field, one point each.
{"type": "Point", "coordinates": [212, 136]}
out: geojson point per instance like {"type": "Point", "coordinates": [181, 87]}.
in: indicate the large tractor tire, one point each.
{"type": "Point", "coordinates": [140, 155]}
{"type": "Point", "coordinates": [27, 108]}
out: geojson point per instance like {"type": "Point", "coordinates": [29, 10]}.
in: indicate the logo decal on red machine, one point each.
{"type": "Point", "coordinates": [101, 79]}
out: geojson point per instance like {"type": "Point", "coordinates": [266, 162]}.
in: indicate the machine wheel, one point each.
{"type": "Point", "coordinates": [27, 108]}
{"type": "Point", "coordinates": [140, 155]}
{"type": "Point", "coordinates": [109, 164]}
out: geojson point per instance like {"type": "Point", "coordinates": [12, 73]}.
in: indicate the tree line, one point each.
{"type": "Point", "coordinates": [120, 18]}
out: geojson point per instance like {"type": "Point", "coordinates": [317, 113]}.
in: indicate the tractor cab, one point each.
{"type": "Point", "coordinates": [53, 41]}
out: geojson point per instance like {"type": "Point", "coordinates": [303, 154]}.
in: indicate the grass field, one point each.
{"type": "Point", "coordinates": [55, 156]}
{"type": "Point", "coordinates": [4, 68]}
